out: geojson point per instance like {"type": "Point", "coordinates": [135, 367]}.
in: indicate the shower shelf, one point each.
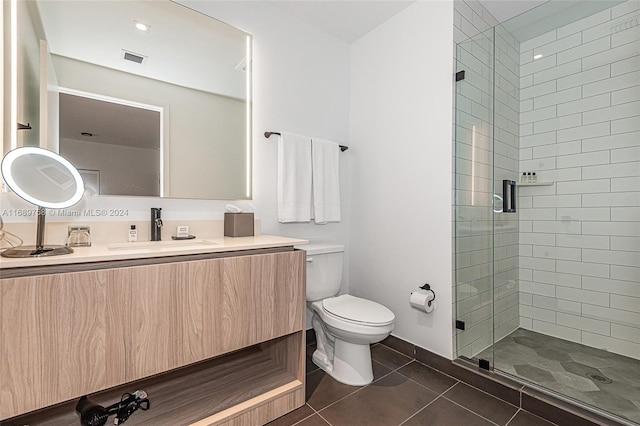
{"type": "Point", "coordinates": [535, 184]}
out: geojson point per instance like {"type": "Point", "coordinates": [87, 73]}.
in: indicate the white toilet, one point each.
{"type": "Point", "coordinates": [345, 325]}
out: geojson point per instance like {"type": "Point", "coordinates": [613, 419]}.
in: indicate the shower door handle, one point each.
{"type": "Point", "coordinates": [509, 196]}
{"type": "Point", "coordinates": [499, 198]}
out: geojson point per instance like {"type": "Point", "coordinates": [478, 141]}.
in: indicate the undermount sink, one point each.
{"type": "Point", "coordinates": [177, 244]}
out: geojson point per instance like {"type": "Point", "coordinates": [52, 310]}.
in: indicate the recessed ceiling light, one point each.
{"type": "Point", "coordinates": [538, 56]}
{"type": "Point", "coordinates": [140, 26]}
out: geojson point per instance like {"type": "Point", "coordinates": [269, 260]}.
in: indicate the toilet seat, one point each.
{"type": "Point", "coordinates": [358, 311]}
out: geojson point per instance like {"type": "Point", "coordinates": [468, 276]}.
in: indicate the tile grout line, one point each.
{"type": "Point", "coordinates": [453, 402]}
{"type": "Point", "coordinates": [398, 368]}
{"type": "Point", "coordinates": [426, 365]}
{"type": "Point", "coordinates": [485, 392]}
{"type": "Point", "coordinates": [470, 410]}
{"type": "Point", "coordinates": [428, 388]}
{"type": "Point", "coordinates": [327, 421]}
{"type": "Point", "coordinates": [422, 363]}
{"type": "Point", "coordinates": [310, 415]}
{"type": "Point", "coordinates": [520, 391]}
{"type": "Point", "coordinates": [417, 412]}
{"type": "Point", "coordinates": [432, 401]}
{"type": "Point", "coordinates": [355, 391]}
{"type": "Point", "coordinates": [493, 396]}
{"type": "Point", "coordinates": [338, 400]}
{"type": "Point", "coordinates": [399, 353]}
{"type": "Point", "coordinates": [513, 417]}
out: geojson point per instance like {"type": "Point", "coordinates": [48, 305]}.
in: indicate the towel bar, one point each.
{"type": "Point", "coordinates": [268, 134]}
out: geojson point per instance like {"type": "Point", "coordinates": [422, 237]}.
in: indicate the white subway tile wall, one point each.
{"type": "Point", "coordinates": [579, 240]}
{"type": "Point", "coordinates": [487, 126]}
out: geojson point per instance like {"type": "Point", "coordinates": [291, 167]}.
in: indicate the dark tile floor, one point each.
{"type": "Point", "coordinates": [404, 392]}
{"type": "Point", "coordinates": [594, 376]}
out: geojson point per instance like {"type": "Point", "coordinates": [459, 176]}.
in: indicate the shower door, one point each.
{"type": "Point", "coordinates": [486, 231]}
{"type": "Point", "coordinates": [473, 195]}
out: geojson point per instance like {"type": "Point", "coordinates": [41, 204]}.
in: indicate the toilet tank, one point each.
{"type": "Point", "coordinates": [324, 270]}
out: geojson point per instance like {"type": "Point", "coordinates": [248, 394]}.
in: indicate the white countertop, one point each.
{"type": "Point", "coordinates": [147, 249]}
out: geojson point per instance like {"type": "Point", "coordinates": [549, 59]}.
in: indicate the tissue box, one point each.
{"type": "Point", "coordinates": [238, 224]}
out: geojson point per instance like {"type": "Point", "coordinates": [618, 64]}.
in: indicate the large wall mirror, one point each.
{"type": "Point", "coordinates": [144, 98]}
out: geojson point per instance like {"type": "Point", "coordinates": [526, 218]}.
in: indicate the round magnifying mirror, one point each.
{"type": "Point", "coordinates": [47, 180]}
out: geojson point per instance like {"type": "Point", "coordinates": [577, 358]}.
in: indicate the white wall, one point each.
{"type": "Point", "coordinates": [400, 228]}
{"type": "Point", "coordinates": [580, 128]}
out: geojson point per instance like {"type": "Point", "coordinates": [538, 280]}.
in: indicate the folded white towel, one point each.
{"type": "Point", "coordinates": [326, 180]}
{"type": "Point", "coordinates": [294, 178]}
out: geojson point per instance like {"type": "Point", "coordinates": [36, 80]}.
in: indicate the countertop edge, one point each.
{"type": "Point", "coordinates": [101, 253]}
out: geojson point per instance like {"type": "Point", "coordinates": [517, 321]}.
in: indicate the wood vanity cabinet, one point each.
{"type": "Point", "coordinates": [68, 334]}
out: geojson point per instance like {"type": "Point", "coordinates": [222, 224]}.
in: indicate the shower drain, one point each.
{"type": "Point", "coordinates": [599, 378]}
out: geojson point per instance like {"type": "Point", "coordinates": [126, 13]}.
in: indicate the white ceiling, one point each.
{"type": "Point", "coordinates": [348, 20]}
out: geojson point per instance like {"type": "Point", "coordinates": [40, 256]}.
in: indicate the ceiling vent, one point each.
{"type": "Point", "coordinates": [133, 57]}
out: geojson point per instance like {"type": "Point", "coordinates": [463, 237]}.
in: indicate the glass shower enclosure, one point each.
{"type": "Point", "coordinates": [547, 198]}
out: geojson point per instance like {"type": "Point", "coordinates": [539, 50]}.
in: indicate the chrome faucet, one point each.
{"type": "Point", "coordinates": [156, 224]}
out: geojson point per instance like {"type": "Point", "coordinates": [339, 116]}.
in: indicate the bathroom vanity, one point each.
{"type": "Point", "coordinates": [215, 335]}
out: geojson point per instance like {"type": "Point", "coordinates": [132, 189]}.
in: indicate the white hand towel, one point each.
{"type": "Point", "coordinates": [294, 178]}
{"type": "Point", "coordinates": [326, 180]}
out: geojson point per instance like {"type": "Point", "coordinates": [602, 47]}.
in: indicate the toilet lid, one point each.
{"type": "Point", "coordinates": [358, 310]}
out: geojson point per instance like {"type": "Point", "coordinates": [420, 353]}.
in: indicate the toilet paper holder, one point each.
{"type": "Point", "coordinates": [427, 287]}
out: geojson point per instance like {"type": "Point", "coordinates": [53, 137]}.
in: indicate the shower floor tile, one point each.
{"type": "Point", "coordinates": [593, 376]}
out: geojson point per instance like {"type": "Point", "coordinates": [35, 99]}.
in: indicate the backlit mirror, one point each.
{"type": "Point", "coordinates": [47, 180]}
{"type": "Point", "coordinates": [151, 98]}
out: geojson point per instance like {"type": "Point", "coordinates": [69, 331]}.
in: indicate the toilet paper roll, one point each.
{"type": "Point", "coordinates": [420, 300]}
